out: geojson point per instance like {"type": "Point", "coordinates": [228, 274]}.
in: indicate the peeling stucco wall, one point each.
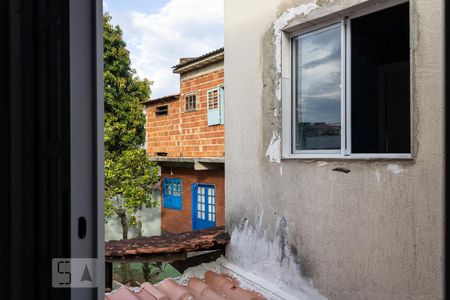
{"type": "Point", "coordinates": [274, 260]}
{"type": "Point", "coordinates": [280, 23]}
{"type": "Point", "coordinates": [362, 229]}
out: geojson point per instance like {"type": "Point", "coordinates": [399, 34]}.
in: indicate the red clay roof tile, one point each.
{"type": "Point", "coordinates": [154, 291]}
{"type": "Point", "coordinates": [174, 290]}
{"type": "Point", "coordinates": [213, 287]}
{"type": "Point", "coordinates": [202, 291]}
{"type": "Point", "coordinates": [229, 287]}
{"type": "Point", "coordinates": [199, 240]}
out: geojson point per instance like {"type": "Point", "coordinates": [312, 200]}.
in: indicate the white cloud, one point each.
{"type": "Point", "coordinates": [182, 28]}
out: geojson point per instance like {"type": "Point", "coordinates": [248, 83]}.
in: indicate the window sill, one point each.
{"type": "Point", "coordinates": [173, 208]}
{"type": "Point", "coordinates": [353, 157]}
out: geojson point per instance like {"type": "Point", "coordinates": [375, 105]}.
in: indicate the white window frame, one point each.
{"type": "Point", "coordinates": [222, 103]}
{"type": "Point", "coordinates": [216, 89]}
{"type": "Point", "coordinates": [219, 105]}
{"type": "Point", "coordinates": [287, 80]}
{"type": "Point", "coordinates": [185, 102]}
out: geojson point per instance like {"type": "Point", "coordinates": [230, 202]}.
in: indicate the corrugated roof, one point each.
{"type": "Point", "coordinates": [188, 61]}
{"type": "Point", "coordinates": [214, 287]}
{"type": "Point", "coordinates": [162, 99]}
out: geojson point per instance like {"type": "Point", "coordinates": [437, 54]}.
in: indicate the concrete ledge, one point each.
{"type": "Point", "coordinates": [198, 163]}
{"type": "Point", "coordinates": [212, 160]}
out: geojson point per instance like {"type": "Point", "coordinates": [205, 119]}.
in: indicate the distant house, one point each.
{"type": "Point", "coordinates": [185, 135]}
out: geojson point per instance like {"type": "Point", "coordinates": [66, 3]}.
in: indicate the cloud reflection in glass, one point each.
{"type": "Point", "coordinates": [317, 73]}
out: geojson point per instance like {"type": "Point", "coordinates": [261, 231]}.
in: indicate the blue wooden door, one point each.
{"type": "Point", "coordinates": [203, 206]}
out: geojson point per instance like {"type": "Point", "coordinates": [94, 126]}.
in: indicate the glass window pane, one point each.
{"type": "Point", "coordinates": [317, 90]}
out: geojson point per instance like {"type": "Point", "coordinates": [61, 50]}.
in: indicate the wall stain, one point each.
{"type": "Point", "coordinates": [343, 170]}
{"type": "Point", "coordinates": [269, 255]}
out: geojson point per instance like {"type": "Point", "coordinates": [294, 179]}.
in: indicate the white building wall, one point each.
{"type": "Point", "coordinates": [150, 219]}
{"type": "Point", "coordinates": [373, 233]}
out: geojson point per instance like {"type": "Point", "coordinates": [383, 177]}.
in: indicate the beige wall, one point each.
{"type": "Point", "coordinates": [373, 233]}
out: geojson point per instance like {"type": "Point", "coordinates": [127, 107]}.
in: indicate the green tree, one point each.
{"type": "Point", "coordinates": [129, 173]}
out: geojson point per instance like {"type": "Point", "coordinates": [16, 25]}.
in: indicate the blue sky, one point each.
{"type": "Point", "coordinates": [159, 32]}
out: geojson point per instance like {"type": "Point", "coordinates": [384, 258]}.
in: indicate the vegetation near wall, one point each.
{"type": "Point", "coordinates": [129, 173]}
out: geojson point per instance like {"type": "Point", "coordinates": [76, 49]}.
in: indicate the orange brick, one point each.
{"type": "Point", "coordinates": [180, 132]}
{"type": "Point", "coordinates": [181, 220]}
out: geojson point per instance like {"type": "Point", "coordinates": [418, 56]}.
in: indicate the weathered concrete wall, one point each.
{"type": "Point", "coordinates": [373, 233]}
{"type": "Point", "coordinates": [150, 219]}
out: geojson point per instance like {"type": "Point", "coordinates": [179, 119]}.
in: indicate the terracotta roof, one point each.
{"type": "Point", "coordinates": [187, 61]}
{"type": "Point", "coordinates": [214, 287]}
{"type": "Point", "coordinates": [199, 240]}
{"type": "Point", "coordinates": [162, 99]}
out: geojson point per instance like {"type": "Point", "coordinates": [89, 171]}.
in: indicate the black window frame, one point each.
{"type": "Point", "coordinates": [162, 110]}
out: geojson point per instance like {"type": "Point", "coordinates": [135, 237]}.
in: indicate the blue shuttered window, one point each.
{"type": "Point", "coordinates": [172, 193]}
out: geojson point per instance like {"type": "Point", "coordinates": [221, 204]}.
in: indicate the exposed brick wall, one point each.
{"type": "Point", "coordinates": [187, 134]}
{"type": "Point", "coordinates": [181, 220]}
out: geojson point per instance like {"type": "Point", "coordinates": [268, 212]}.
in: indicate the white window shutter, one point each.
{"type": "Point", "coordinates": [222, 105]}
{"type": "Point", "coordinates": [213, 107]}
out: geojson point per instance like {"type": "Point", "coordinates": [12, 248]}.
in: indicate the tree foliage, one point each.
{"type": "Point", "coordinates": [129, 173]}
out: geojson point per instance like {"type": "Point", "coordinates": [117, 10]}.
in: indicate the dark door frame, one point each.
{"type": "Point", "coordinates": [447, 151]}
{"type": "Point", "coordinates": [53, 132]}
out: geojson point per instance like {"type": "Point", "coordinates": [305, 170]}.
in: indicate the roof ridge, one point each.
{"type": "Point", "coordinates": [163, 98]}
{"type": "Point", "coordinates": [194, 59]}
